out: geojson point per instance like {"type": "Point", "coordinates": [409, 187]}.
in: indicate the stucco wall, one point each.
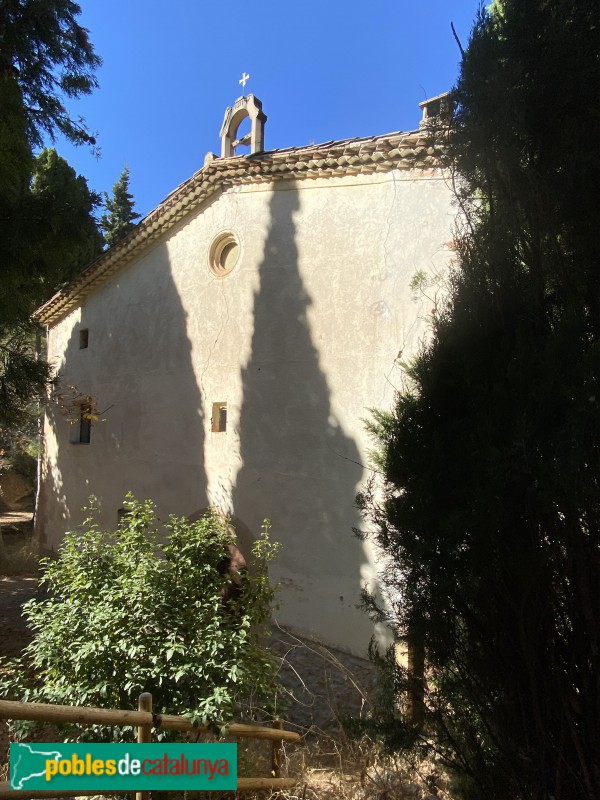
{"type": "Point", "coordinates": [300, 340]}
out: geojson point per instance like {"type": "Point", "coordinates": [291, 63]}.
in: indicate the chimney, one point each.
{"type": "Point", "coordinates": [440, 106]}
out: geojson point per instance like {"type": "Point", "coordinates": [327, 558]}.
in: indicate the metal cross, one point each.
{"type": "Point", "coordinates": [244, 80]}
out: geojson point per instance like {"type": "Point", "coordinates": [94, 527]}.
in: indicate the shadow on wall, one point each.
{"type": "Point", "coordinates": [297, 461]}
{"type": "Point", "coordinates": [137, 367]}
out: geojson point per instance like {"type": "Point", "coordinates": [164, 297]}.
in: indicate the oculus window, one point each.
{"type": "Point", "coordinates": [223, 254]}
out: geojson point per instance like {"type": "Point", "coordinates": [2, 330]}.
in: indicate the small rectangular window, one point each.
{"type": "Point", "coordinates": [219, 417]}
{"type": "Point", "coordinates": [83, 338]}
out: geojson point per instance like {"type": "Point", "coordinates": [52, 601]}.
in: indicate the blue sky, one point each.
{"type": "Point", "coordinates": [323, 70]}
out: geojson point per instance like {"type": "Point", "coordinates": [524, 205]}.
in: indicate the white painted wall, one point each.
{"type": "Point", "coordinates": [300, 340]}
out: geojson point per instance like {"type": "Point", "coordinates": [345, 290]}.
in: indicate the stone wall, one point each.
{"type": "Point", "coordinates": [298, 340]}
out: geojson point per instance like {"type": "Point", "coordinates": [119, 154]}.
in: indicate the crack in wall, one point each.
{"type": "Point", "coordinates": [224, 321]}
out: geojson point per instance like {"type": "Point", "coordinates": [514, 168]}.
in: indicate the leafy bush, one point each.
{"type": "Point", "coordinates": [126, 614]}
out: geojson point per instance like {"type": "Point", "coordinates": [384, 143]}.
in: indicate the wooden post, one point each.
{"type": "Point", "coordinates": [10, 709]}
{"type": "Point", "coordinates": [415, 707]}
{"type": "Point", "coordinates": [277, 759]}
{"type": "Point", "coordinates": [144, 733]}
{"type": "Point", "coordinates": [143, 719]}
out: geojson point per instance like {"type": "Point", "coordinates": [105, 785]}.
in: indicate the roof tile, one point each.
{"type": "Point", "coordinates": [335, 158]}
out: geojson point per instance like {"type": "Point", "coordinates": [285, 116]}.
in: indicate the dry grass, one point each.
{"type": "Point", "coordinates": [325, 767]}
{"type": "Point", "coordinates": [329, 769]}
{"type": "Point", "coordinates": [345, 770]}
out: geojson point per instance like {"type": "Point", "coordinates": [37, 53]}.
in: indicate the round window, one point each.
{"type": "Point", "coordinates": [223, 255]}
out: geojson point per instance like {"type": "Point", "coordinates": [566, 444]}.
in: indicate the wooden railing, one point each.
{"type": "Point", "coordinates": [144, 720]}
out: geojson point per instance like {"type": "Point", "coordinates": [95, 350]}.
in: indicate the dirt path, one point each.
{"type": "Point", "coordinates": [10, 519]}
{"type": "Point", "coordinates": [18, 584]}
{"type": "Point", "coordinates": [15, 589]}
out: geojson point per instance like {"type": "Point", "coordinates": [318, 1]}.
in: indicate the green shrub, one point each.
{"type": "Point", "coordinates": [127, 614]}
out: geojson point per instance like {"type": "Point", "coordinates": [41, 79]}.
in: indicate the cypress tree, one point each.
{"type": "Point", "coordinates": [490, 523]}
{"type": "Point", "coordinates": [120, 217]}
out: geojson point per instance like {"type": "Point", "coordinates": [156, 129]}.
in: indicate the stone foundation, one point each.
{"type": "Point", "coordinates": [322, 685]}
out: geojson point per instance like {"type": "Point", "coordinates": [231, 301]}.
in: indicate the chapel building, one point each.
{"type": "Point", "coordinates": [235, 342]}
